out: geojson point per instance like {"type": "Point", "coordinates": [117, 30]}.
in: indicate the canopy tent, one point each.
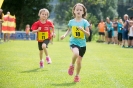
{"type": "Point", "coordinates": [1, 2]}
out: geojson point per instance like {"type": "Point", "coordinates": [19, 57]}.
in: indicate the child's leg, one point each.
{"type": "Point", "coordinates": [45, 49]}
{"type": "Point", "coordinates": [44, 46]}
{"type": "Point", "coordinates": [79, 59]}
{"type": "Point", "coordinates": [82, 51]}
{"type": "Point", "coordinates": [41, 54]}
{"type": "Point", "coordinates": [75, 51]}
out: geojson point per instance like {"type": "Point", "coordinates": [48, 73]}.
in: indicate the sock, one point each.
{"type": "Point", "coordinates": [72, 64]}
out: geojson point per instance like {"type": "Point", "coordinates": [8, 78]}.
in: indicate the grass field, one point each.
{"type": "Point", "coordinates": [103, 66]}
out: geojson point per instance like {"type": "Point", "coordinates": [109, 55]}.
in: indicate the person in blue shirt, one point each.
{"type": "Point", "coordinates": [79, 28]}
{"type": "Point", "coordinates": [125, 31]}
{"type": "Point", "coordinates": [109, 27]}
{"type": "Point", "coordinates": [120, 28]}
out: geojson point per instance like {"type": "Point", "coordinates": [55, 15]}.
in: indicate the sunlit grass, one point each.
{"type": "Point", "coordinates": [103, 66]}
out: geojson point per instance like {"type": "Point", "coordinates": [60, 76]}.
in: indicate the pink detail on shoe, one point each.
{"type": "Point", "coordinates": [70, 70]}
{"type": "Point", "coordinates": [48, 59]}
{"type": "Point", "coordinates": [41, 64]}
{"type": "Point", "coordinates": [76, 79]}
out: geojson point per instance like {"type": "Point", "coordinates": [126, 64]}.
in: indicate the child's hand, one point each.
{"type": "Point", "coordinates": [62, 37]}
{"type": "Point", "coordinates": [53, 35]}
{"type": "Point", "coordinates": [39, 28]}
{"type": "Point", "coordinates": [80, 28]}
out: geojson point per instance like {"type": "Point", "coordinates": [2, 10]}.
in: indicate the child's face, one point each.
{"type": "Point", "coordinates": [78, 11]}
{"type": "Point", "coordinates": [43, 15]}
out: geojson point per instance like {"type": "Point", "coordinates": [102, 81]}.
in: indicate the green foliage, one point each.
{"type": "Point", "coordinates": [98, 9]}
{"type": "Point", "coordinates": [92, 18]}
{"type": "Point", "coordinates": [26, 11]}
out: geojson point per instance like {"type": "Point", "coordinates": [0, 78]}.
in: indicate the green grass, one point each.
{"type": "Point", "coordinates": [103, 66]}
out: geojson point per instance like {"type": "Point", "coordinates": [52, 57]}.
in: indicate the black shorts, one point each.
{"type": "Point", "coordinates": [82, 50]}
{"type": "Point", "coordinates": [130, 37]}
{"type": "Point", "coordinates": [40, 44]}
{"type": "Point", "coordinates": [120, 36]}
{"type": "Point", "coordinates": [101, 33]}
{"type": "Point", "coordinates": [110, 34]}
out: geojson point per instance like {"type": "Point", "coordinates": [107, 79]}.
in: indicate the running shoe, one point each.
{"type": "Point", "coordinates": [48, 59]}
{"type": "Point", "coordinates": [41, 64]}
{"type": "Point", "coordinates": [76, 79]}
{"type": "Point", "coordinates": [70, 70]}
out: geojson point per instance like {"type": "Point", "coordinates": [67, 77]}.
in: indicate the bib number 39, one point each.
{"type": "Point", "coordinates": [77, 33]}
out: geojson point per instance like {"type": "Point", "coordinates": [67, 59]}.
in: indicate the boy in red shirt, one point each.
{"type": "Point", "coordinates": [42, 28]}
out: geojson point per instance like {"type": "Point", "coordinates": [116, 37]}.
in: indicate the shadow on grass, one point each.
{"type": "Point", "coordinates": [34, 70]}
{"type": "Point", "coordinates": [65, 84]}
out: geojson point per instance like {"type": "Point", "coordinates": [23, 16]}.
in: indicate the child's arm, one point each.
{"type": "Point", "coordinates": [67, 32]}
{"type": "Point", "coordinates": [52, 32]}
{"type": "Point", "coordinates": [34, 31]}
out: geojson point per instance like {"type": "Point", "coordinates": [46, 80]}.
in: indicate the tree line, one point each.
{"type": "Point", "coordinates": [26, 11]}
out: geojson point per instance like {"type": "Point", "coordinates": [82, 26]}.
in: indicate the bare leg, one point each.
{"type": "Point", "coordinates": [123, 42]}
{"type": "Point", "coordinates": [45, 49]}
{"type": "Point", "coordinates": [41, 54]}
{"type": "Point", "coordinates": [132, 43]}
{"type": "Point", "coordinates": [79, 59]}
{"type": "Point", "coordinates": [75, 55]}
{"type": "Point", "coordinates": [102, 37]}
{"type": "Point", "coordinates": [4, 37]}
{"type": "Point", "coordinates": [8, 36]}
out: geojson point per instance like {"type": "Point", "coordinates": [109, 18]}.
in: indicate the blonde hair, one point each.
{"type": "Point", "coordinates": [45, 10]}
{"type": "Point", "coordinates": [27, 25]}
{"type": "Point", "coordinates": [126, 15]}
{"type": "Point", "coordinates": [84, 9]}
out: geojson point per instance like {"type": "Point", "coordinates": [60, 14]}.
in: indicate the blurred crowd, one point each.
{"type": "Point", "coordinates": [116, 31]}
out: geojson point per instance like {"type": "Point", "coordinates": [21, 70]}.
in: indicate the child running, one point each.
{"type": "Point", "coordinates": [79, 28]}
{"type": "Point", "coordinates": [42, 28]}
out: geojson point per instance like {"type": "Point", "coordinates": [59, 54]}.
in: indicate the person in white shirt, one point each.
{"type": "Point", "coordinates": [130, 34]}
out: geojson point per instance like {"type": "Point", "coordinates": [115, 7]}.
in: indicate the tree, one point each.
{"type": "Point", "coordinates": [64, 9]}
{"type": "Point", "coordinates": [26, 11]}
{"type": "Point", "coordinates": [123, 7]}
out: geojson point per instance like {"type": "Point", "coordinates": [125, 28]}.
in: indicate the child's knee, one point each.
{"type": "Point", "coordinates": [76, 54]}
{"type": "Point", "coordinates": [44, 46]}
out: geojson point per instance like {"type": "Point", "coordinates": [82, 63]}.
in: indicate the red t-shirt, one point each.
{"type": "Point", "coordinates": [44, 33]}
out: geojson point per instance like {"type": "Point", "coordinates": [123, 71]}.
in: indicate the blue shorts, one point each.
{"type": "Point", "coordinates": [125, 34]}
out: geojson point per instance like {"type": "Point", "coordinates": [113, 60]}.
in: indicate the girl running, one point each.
{"type": "Point", "coordinates": [79, 28]}
{"type": "Point", "coordinates": [42, 28]}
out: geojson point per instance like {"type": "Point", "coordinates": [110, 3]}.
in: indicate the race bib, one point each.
{"type": "Point", "coordinates": [42, 36]}
{"type": "Point", "coordinates": [77, 33]}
